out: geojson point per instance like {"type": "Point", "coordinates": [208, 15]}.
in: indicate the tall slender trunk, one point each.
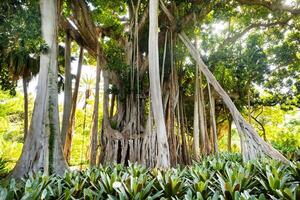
{"type": "Point", "coordinates": [170, 117]}
{"type": "Point", "coordinates": [172, 105]}
{"type": "Point", "coordinates": [106, 150]}
{"type": "Point", "coordinates": [181, 123]}
{"type": "Point", "coordinates": [249, 104]}
{"type": "Point", "coordinates": [262, 128]}
{"type": "Point", "coordinates": [163, 159]}
{"type": "Point", "coordinates": [205, 141]}
{"type": "Point", "coordinates": [164, 61]}
{"type": "Point", "coordinates": [196, 134]}
{"type": "Point", "coordinates": [185, 129]}
{"type": "Point", "coordinates": [264, 133]}
{"type": "Point", "coordinates": [25, 107]}
{"type": "Point", "coordinates": [95, 125]}
{"type": "Point", "coordinates": [42, 148]}
{"type": "Point", "coordinates": [205, 144]}
{"type": "Point", "coordinates": [213, 123]}
{"type": "Point", "coordinates": [67, 89]}
{"type": "Point", "coordinates": [229, 134]}
{"type": "Point", "coordinates": [68, 141]}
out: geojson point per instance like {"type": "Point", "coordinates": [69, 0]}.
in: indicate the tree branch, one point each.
{"type": "Point", "coordinates": [234, 38]}
{"type": "Point", "coordinates": [184, 20]}
{"type": "Point", "coordinates": [262, 127]}
{"type": "Point", "coordinates": [67, 27]}
{"type": "Point", "coordinates": [273, 6]}
{"type": "Point", "coordinates": [84, 23]}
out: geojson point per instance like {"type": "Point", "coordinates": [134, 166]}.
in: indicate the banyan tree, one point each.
{"type": "Point", "coordinates": [137, 45]}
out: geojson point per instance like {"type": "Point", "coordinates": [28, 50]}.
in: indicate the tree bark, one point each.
{"type": "Point", "coordinates": [173, 95]}
{"type": "Point", "coordinates": [249, 104]}
{"type": "Point", "coordinates": [213, 124]}
{"type": "Point", "coordinates": [95, 125]}
{"type": "Point", "coordinates": [229, 134]}
{"type": "Point", "coordinates": [70, 130]}
{"type": "Point", "coordinates": [205, 143]}
{"type": "Point", "coordinates": [42, 148]}
{"type": "Point", "coordinates": [163, 158]}
{"type": "Point", "coordinates": [181, 123]}
{"type": "Point", "coordinates": [164, 61]}
{"type": "Point", "coordinates": [25, 106]}
{"type": "Point", "coordinates": [196, 134]}
{"type": "Point", "coordinates": [105, 155]}
{"type": "Point", "coordinates": [67, 89]}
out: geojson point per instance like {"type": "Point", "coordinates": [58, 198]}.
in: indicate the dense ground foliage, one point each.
{"type": "Point", "coordinates": [224, 177]}
{"type": "Point", "coordinates": [170, 81]}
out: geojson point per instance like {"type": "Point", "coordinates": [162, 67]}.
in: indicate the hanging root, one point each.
{"type": "Point", "coordinates": [252, 145]}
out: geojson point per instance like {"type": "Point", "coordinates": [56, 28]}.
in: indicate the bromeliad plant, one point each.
{"type": "Point", "coordinates": [280, 181]}
{"type": "Point", "coordinates": [224, 177]}
{"type": "Point", "coordinates": [236, 178]}
{"type": "Point", "coordinates": [171, 182]}
{"type": "Point", "coordinates": [200, 178]}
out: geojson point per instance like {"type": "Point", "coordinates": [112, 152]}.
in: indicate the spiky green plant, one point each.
{"type": "Point", "coordinates": [214, 178]}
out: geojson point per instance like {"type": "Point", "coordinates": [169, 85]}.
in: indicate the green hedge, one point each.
{"type": "Point", "coordinates": [225, 177]}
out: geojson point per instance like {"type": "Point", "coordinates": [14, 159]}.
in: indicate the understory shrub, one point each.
{"type": "Point", "coordinates": [223, 177]}
{"type": "Point", "coordinates": [288, 142]}
{"type": "Point", "coordinates": [289, 148]}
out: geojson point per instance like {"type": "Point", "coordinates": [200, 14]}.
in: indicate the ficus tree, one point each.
{"type": "Point", "coordinates": [167, 72]}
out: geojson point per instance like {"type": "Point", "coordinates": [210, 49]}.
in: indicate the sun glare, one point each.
{"type": "Point", "coordinates": [219, 27]}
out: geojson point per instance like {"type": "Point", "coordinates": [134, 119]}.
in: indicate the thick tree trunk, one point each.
{"type": "Point", "coordinates": [25, 107]}
{"type": "Point", "coordinates": [95, 125]}
{"type": "Point", "coordinates": [67, 89]}
{"type": "Point", "coordinates": [252, 145]}
{"type": "Point", "coordinates": [69, 136]}
{"type": "Point", "coordinates": [42, 149]}
{"type": "Point", "coordinates": [163, 158]}
{"type": "Point", "coordinates": [105, 155]}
